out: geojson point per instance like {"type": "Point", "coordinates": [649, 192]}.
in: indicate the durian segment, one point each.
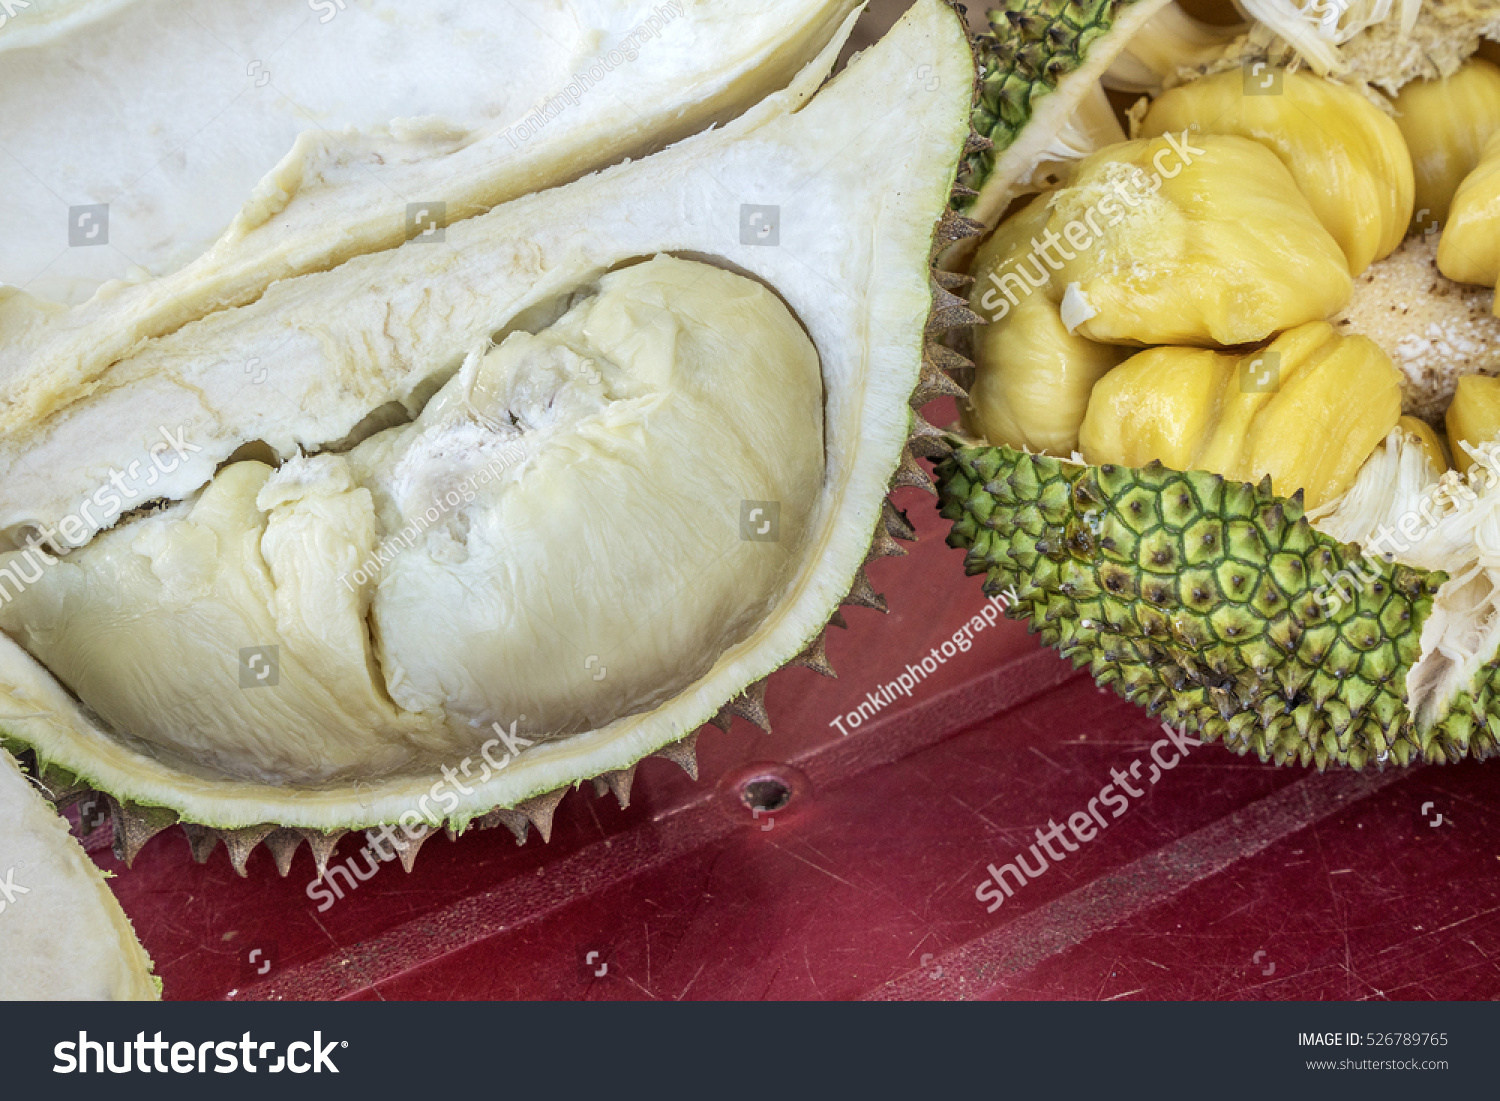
{"type": "Point", "coordinates": [1347, 156]}
{"type": "Point", "coordinates": [1306, 411]}
{"type": "Point", "coordinates": [852, 265]}
{"type": "Point", "coordinates": [607, 569]}
{"type": "Point", "coordinates": [523, 550]}
{"type": "Point", "coordinates": [1190, 239]}
{"type": "Point", "coordinates": [522, 100]}
{"type": "Point", "coordinates": [1469, 249]}
{"type": "Point", "coordinates": [154, 625]}
{"type": "Point", "coordinates": [63, 937]}
{"type": "Point", "coordinates": [1446, 124]}
{"type": "Point", "coordinates": [1473, 417]}
{"type": "Point", "coordinates": [1032, 377]}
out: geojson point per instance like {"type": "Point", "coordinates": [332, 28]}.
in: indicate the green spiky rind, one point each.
{"type": "Point", "coordinates": [1034, 45]}
{"type": "Point", "coordinates": [1207, 601]}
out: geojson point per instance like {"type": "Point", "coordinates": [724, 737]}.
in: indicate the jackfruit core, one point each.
{"type": "Point", "coordinates": [576, 527]}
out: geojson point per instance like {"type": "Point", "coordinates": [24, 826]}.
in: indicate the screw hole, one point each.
{"type": "Point", "coordinates": [766, 795]}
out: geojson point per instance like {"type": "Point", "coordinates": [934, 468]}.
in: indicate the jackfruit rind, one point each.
{"type": "Point", "coordinates": [62, 934]}
{"type": "Point", "coordinates": [1215, 604]}
{"type": "Point", "coordinates": [873, 331]}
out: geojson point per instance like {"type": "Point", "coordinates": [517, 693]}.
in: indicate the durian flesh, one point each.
{"type": "Point", "coordinates": [554, 512]}
{"type": "Point", "coordinates": [840, 309]}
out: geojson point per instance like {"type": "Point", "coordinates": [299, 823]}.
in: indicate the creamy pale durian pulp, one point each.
{"type": "Point", "coordinates": [518, 554]}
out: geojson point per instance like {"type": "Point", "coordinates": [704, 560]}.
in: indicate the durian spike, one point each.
{"type": "Point", "coordinates": [815, 657]}
{"type": "Point", "coordinates": [883, 546]}
{"type": "Point", "coordinates": [961, 192]}
{"type": "Point", "coordinates": [933, 385]}
{"type": "Point", "coordinates": [283, 844]}
{"type": "Point", "coordinates": [750, 705]}
{"type": "Point", "coordinates": [951, 280]}
{"type": "Point", "coordinates": [837, 620]}
{"type": "Point", "coordinates": [910, 473]}
{"type": "Point", "coordinates": [540, 810]}
{"type": "Point", "coordinates": [241, 843]}
{"type": "Point", "coordinates": [201, 840]}
{"type": "Point", "coordinates": [322, 846]}
{"type": "Point", "coordinates": [975, 143]}
{"type": "Point", "coordinates": [944, 358]}
{"type": "Point", "coordinates": [134, 826]}
{"type": "Point", "coordinates": [954, 226]}
{"type": "Point", "coordinates": [406, 848]}
{"type": "Point", "coordinates": [64, 793]}
{"type": "Point", "coordinates": [617, 782]}
{"type": "Point", "coordinates": [896, 523]}
{"type": "Point", "coordinates": [927, 440]}
{"type": "Point", "coordinates": [949, 311]}
{"type": "Point", "coordinates": [513, 820]}
{"type": "Point", "coordinates": [862, 595]}
{"type": "Point", "coordinates": [683, 754]}
{"type": "Point", "coordinates": [723, 719]}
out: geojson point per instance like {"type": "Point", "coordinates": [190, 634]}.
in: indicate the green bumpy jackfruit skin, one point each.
{"type": "Point", "coordinates": [1035, 44]}
{"type": "Point", "coordinates": [1197, 598]}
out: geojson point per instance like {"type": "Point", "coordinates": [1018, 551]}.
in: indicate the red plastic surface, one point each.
{"type": "Point", "coordinates": [1226, 879]}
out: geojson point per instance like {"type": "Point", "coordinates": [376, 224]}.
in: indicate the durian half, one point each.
{"type": "Point", "coordinates": [508, 510]}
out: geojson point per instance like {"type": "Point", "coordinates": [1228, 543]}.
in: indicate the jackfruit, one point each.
{"type": "Point", "coordinates": [1474, 417]}
{"type": "Point", "coordinates": [1034, 387]}
{"type": "Point", "coordinates": [1446, 124]}
{"type": "Point", "coordinates": [501, 510]}
{"type": "Point", "coordinates": [1306, 411]}
{"type": "Point", "coordinates": [1469, 249]}
{"type": "Point", "coordinates": [1347, 157]}
{"type": "Point", "coordinates": [1190, 239]}
{"type": "Point", "coordinates": [1260, 541]}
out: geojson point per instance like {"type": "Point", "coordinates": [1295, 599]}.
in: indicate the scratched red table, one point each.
{"type": "Point", "coordinates": [1224, 879]}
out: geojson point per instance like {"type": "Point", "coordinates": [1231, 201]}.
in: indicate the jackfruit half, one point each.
{"type": "Point", "coordinates": [1249, 525]}
{"type": "Point", "coordinates": [509, 508]}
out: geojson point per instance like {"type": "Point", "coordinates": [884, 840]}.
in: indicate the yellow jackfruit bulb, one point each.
{"type": "Point", "coordinates": [1469, 249]}
{"type": "Point", "coordinates": [1308, 410]}
{"type": "Point", "coordinates": [1190, 239]}
{"type": "Point", "coordinates": [1033, 378]}
{"type": "Point", "coordinates": [1348, 157]}
{"type": "Point", "coordinates": [1473, 417]}
{"type": "Point", "coordinates": [1446, 124]}
{"type": "Point", "coordinates": [1426, 435]}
